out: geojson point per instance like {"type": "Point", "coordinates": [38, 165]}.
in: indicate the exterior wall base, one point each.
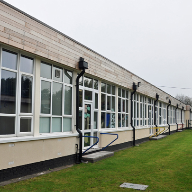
{"type": "Point", "coordinates": [24, 170]}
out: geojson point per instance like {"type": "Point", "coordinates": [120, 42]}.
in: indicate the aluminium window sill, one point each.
{"type": "Point", "coordinates": [34, 138]}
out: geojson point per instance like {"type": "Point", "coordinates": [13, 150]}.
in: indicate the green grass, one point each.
{"type": "Point", "coordinates": [164, 165]}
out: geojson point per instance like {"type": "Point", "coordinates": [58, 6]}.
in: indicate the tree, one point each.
{"type": "Point", "coordinates": [184, 99]}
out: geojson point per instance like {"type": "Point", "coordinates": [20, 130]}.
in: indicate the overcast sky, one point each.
{"type": "Point", "coordinates": [151, 38]}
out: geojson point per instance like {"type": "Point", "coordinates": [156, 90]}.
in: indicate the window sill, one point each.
{"type": "Point", "coordinates": [40, 137]}
{"type": "Point", "coordinates": [114, 130]}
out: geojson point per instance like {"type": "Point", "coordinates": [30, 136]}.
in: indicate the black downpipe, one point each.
{"type": "Point", "coordinates": [176, 116]}
{"type": "Point", "coordinates": [132, 117]}
{"type": "Point", "coordinates": [134, 90]}
{"type": "Point", "coordinates": [77, 115]}
{"type": "Point", "coordinates": [168, 115]}
{"type": "Point", "coordinates": [155, 118]}
{"type": "Point", "coordinates": [181, 117]}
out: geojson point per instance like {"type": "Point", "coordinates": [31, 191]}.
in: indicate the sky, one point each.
{"type": "Point", "coordinates": [150, 38]}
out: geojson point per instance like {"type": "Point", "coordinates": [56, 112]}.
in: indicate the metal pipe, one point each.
{"type": "Point", "coordinates": [181, 117]}
{"type": "Point", "coordinates": [168, 115]}
{"type": "Point", "coordinates": [155, 118]}
{"type": "Point", "coordinates": [132, 93]}
{"type": "Point", "coordinates": [77, 115]}
{"type": "Point", "coordinates": [176, 116]}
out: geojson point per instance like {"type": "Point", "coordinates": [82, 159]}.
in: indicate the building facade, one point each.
{"type": "Point", "coordinates": [38, 71]}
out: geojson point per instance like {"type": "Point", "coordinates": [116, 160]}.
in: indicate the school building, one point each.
{"type": "Point", "coordinates": [58, 97]}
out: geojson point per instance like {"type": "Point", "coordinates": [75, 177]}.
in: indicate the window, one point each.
{"type": "Point", "coordinates": [56, 99]}
{"type": "Point", "coordinates": [123, 108]}
{"type": "Point", "coordinates": [107, 106]}
{"type": "Point", "coordinates": [16, 99]}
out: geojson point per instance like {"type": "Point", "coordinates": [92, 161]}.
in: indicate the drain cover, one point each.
{"type": "Point", "coordinates": [134, 186]}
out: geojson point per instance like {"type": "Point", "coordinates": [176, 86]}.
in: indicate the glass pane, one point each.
{"type": "Point", "coordinates": [46, 70]}
{"type": "Point", "coordinates": [123, 105]}
{"type": "Point", "coordinates": [95, 120]}
{"type": "Point", "coordinates": [119, 120]}
{"type": "Point", "coordinates": [119, 92]}
{"type": "Point", "coordinates": [57, 74]}
{"type": "Point", "coordinates": [81, 81]}
{"type": "Point", "coordinates": [25, 125]}
{"type": "Point", "coordinates": [96, 101]}
{"type": "Point", "coordinates": [103, 87]}
{"type": "Point", "coordinates": [56, 124]}
{"type": "Point", "coordinates": [8, 92]}
{"type": "Point", "coordinates": [103, 102]}
{"type": "Point", "coordinates": [108, 121]}
{"type": "Point", "coordinates": [67, 124]}
{"type": "Point", "coordinates": [123, 93]}
{"type": "Point", "coordinates": [57, 99]}
{"type": "Point", "coordinates": [44, 126]}
{"type": "Point", "coordinates": [113, 104]}
{"type": "Point", "coordinates": [26, 64]}
{"type": "Point", "coordinates": [123, 120]}
{"type": "Point", "coordinates": [112, 120]}
{"type": "Point", "coordinates": [95, 84]}
{"type": "Point", "coordinates": [9, 59]}
{"type": "Point", "coordinates": [88, 82]}
{"type": "Point", "coordinates": [68, 75]}
{"type": "Point", "coordinates": [109, 89]}
{"type": "Point", "coordinates": [87, 116]}
{"type": "Point", "coordinates": [80, 120]}
{"type": "Point", "coordinates": [127, 106]}
{"type": "Point", "coordinates": [87, 140]}
{"type": "Point", "coordinates": [88, 95]}
{"type": "Point", "coordinates": [137, 110]}
{"type": "Point", "coordinates": [127, 121]}
{"type": "Point", "coordinates": [68, 101]}
{"type": "Point", "coordinates": [113, 90]}
{"type": "Point", "coordinates": [102, 120]}
{"type": "Point", "coordinates": [127, 94]}
{"type": "Point", "coordinates": [26, 94]}
{"type": "Point", "coordinates": [80, 97]}
{"type": "Point", "coordinates": [7, 125]}
{"type": "Point", "coordinates": [45, 97]}
{"type": "Point", "coordinates": [108, 102]}
{"type": "Point", "coordinates": [119, 104]}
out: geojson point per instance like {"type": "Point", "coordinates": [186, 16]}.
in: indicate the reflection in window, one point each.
{"type": "Point", "coordinates": [25, 125]}
{"type": "Point", "coordinates": [108, 120]}
{"type": "Point", "coordinates": [87, 140]}
{"type": "Point", "coordinates": [9, 59]}
{"type": "Point", "coordinates": [68, 101]}
{"type": "Point", "coordinates": [57, 99]}
{"type": "Point", "coordinates": [96, 100]}
{"type": "Point", "coordinates": [103, 87]}
{"type": "Point", "coordinates": [26, 94]}
{"type": "Point", "coordinates": [95, 84]}
{"type": "Point", "coordinates": [88, 95]}
{"type": "Point", "coordinates": [26, 64]}
{"type": "Point", "coordinates": [68, 76]}
{"type": "Point", "coordinates": [88, 82]}
{"type": "Point", "coordinates": [102, 101]}
{"type": "Point", "coordinates": [7, 125]}
{"type": "Point", "coordinates": [45, 97]}
{"type": "Point", "coordinates": [46, 70]}
{"type": "Point", "coordinates": [8, 92]}
{"type": "Point", "coordinates": [102, 120]}
{"type": "Point", "coordinates": [95, 120]}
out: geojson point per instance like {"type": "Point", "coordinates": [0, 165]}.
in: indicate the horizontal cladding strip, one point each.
{"type": "Point", "coordinates": [31, 138]}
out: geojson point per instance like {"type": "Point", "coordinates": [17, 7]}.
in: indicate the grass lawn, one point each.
{"type": "Point", "coordinates": [164, 165]}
